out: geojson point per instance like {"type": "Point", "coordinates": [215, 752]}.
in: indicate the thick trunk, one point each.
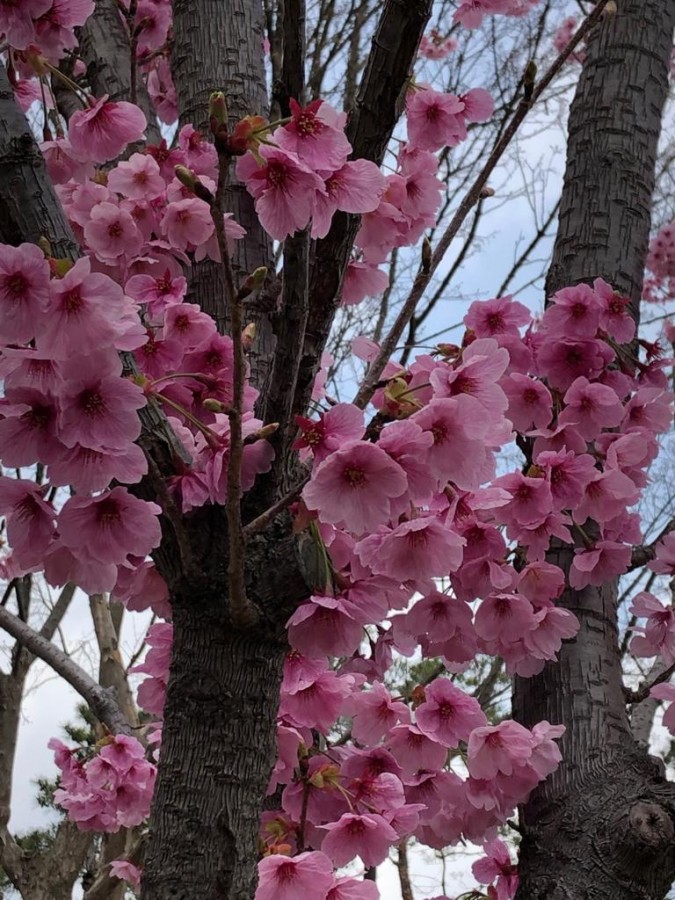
{"type": "Point", "coordinates": [602, 827]}
{"type": "Point", "coordinates": [218, 747]}
{"type": "Point", "coordinates": [219, 737]}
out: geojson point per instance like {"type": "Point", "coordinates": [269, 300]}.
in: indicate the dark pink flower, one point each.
{"type": "Point", "coordinates": [315, 134]}
{"type": "Point", "coordinates": [24, 292]}
{"type": "Point", "coordinates": [30, 519]}
{"type": "Point", "coordinates": [110, 527]}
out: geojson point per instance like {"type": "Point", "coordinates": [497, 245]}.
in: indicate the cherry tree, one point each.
{"type": "Point", "coordinates": [166, 413]}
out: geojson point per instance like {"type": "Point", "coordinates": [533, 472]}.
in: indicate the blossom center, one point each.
{"type": "Point", "coordinates": [355, 476]}
{"type": "Point", "coordinates": [92, 402]}
{"type": "Point", "coordinates": [307, 124]}
{"type": "Point", "coordinates": [286, 873]}
{"type": "Point", "coordinates": [16, 284]}
{"type": "Point", "coordinates": [115, 229]}
{"type": "Point", "coordinates": [72, 302]}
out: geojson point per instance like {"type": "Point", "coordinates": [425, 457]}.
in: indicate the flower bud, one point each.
{"type": "Point", "coordinates": [217, 110]}
{"type": "Point", "coordinates": [213, 405]}
{"type": "Point", "coordinates": [188, 178]}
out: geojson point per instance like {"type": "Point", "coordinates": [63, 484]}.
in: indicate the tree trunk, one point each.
{"type": "Point", "coordinates": [602, 827]}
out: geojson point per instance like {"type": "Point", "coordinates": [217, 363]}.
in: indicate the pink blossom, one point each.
{"type": "Point", "coordinates": [316, 700]}
{"type": "Point", "coordinates": [666, 692]}
{"type": "Point", "coordinates": [616, 318]}
{"type": "Point", "coordinates": [553, 626]}
{"type": "Point", "coordinates": [157, 291]}
{"type": "Point", "coordinates": [24, 291]}
{"type": "Point", "coordinates": [368, 836]}
{"type": "Point", "coordinates": [413, 750]}
{"type": "Point", "coordinates": [605, 561]}
{"type": "Point", "coordinates": [353, 488]}
{"type": "Point", "coordinates": [283, 187]}
{"type": "Point", "coordinates": [664, 563]}
{"type": "Point", "coordinates": [541, 581]}
{"type": "Point", "coordinates": [110, 527]}
{"type": "Point", "coordinates": [324, 626]}
{"type": "Point", "coordinates": [362, 280]}
{"type": "Point", "coordinates": [98, 408]}
{"type": "Point", "coordinates": [506, 617]}
{"type": "Point", "coordinates": [562, 360]}
{"type": "Point", "coordinates": [530, 403]}
{"type": "Point", "coordinates": [418, 549]}
{"type": "Point", "coordinates": [126, 871]}
{"type": "Point", "coordinates": [101, 132]}
{"type": "Point", "coordinates": [574, 312]}
{"type": "Point", "coordinates": [55, 28]}
{"type": "Point", "coordinates": [568, 474]}
{"type": "Point", "coordinates": [497, 866]}
{"type": "Point", "coordinates": [307, 875]}
{"type": "Point", "coordinates": [448, 715]}
{"type": "Point", "coordinates": [187, 324]}
{"type": "Point", "coordinates": [83, 312]}
{"type": "Point", "coordinates": [187, 223]}
{"type": "Point", "coordinates": [17, 20]}
{"type": "Point", "coordinates": [606, 495]}
{"type": "Point", "coordinates": [435, 46]}
{"type": "Point", "coordinates": [435, 120]}
{"type": "Point", "coordinates": [153, 20]}
{"type": "Point", "coordinates": [531, 499]}
{"type": "Point", "coordinates": [28, 428]}
{"type": "Point", "coordinates": [343, 422]}
{"type": "Point", "coordinates": [137, 178]}
{"type": "Point", "coordinates": [459, 427]}
{"type": "Point", "coordinates": [659, 633]}
{"type": "Point", "coordinates": [488, 318]}
{"type": "Point", "coordinates": [356, 187]}
{"type": "Point", "coordinates": [30, 519]}
{"type": "Point", "coordinates": [375, 713]}
{"type": "Point", "coordinates": [88, 470]}
{"type": "Point", "coordinates": [590, 408]}
{"type": "Point", "coordinates": [315, 135]}
{"type": "Point", "coordinates": [352, 889]}
{"type": "Point", "coordinates": [111, 232]}
{"type": "Point", "coordinates": [162, 91]}
{"type": "Point", "coordinates": [498, 748]}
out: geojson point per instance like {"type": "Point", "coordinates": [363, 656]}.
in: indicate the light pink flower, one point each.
{"type": "Point", "coordinates": [103, 131]}
{"type": "Point", "coordinates": [83, 313]}
{"type": "Point", "coordinates": [362, 280]}
{"type": "Point", "coordinates": [111, 233]}
{"type": "Point", "coordinates": [30, 519]}
{"type": "Point", "coordinates": [17, 20]}
{"type": "Point", "coordinates": [24, 292]}
{"type": "Point", "coordinates": [324, 626]}
{"type": "Point", "coordinates": [616, 318]}
{"type": "Point", "coordinates": [607, 560]}
{"type": "Point", "coordinates": [488, 318]}
{"type": "Point", "coordinates": [355, 188]}
{"type": "Point", "coordinates": [315, 135]}
{"type": "Point", "coordinates": [126, 871]}
{"type": "Point", "coordinates": [506, 617]}
{"type": "Point", "coordinates": [666, 692]}
{"type": "Point", "coordinates": [448, 715]}
{"type": "Point", "coordinates": [343, 422]}
{"type": "Point", "coordinates": [308, 875]}
{"type": "Point", "coordinates": [418, 549]}
{"type": "Point", "coordinates": [368, 836]}
{"type": "Point", "coordinates": [28, 429]}
{"type": "Point", "coordinates": [353, 889]}
{"type": "Point", "coordinates": [413, 750]}
{"type": "Point", "coordinates": [187, 223]}
{"type": "Point", "coordinates": [284, 189]}
{"type": "Point", "coordinates": [496, 866]}
{"type": "Point", "coordinates": [137, 178]}
{"type": "Point", "coordinates": [498, 748]}
{"type": "Point", "coordinates": [110, 527]}
{"type": "Point", "coordinates": [590, 408]}
{"type": "Point", "coordinates": [375, 713]}
{"type": "Point", "coordinates": [98, 407]}
{"type": "Point", "coordinates": [435, 120]}
{"type": "Point", "coordinates": [530, 403]}
{"type": "Point", "coordinates": [353, 488]}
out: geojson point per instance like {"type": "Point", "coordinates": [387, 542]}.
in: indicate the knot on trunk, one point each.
{"type": "Point", "coordinates": [651, 825]}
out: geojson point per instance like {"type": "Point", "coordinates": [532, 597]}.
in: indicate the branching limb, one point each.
{"type": "Point", "coordinates": [101, 701]}
{"type": "Point", "coordinates": [531, 93]}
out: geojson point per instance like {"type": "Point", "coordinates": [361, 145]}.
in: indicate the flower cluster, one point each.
{"type": "Point", "coordinates": [109, 791]}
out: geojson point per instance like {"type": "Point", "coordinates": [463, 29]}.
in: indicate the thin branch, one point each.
{"type": "Point", "coordinates": [264, 519]}
{"type": "Point", "coordinates": [102, 702]}
{"type": "Point", "coordinates": [426, 271]}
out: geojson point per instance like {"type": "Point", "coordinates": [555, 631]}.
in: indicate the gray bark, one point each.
{"type": "Point", "coordinates": [105, 49]}
{"type": "Point", "coordinates": [602, 826]}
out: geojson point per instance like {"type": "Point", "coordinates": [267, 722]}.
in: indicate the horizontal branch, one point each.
{"type": "Point", "coordinates": [102, 702]}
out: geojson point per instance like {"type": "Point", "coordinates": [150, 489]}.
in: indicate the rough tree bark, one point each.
{"type": "Point", "coordinates": [602, 827]}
